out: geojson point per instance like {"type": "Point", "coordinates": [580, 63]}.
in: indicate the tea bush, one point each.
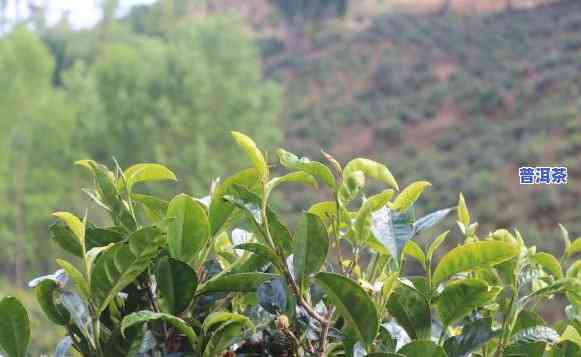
{"type": "Point", "coordinates": [223, 275]}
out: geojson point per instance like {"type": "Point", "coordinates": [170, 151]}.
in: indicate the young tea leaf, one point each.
{"type": "Point", "coordinates": [252, 152]}
{"type": "Point", "coordinates": [409, 196]}
{"type": "Point", "coordinates": [471, 256]}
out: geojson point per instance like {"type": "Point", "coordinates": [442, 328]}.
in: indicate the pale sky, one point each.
{"type": "Point", "coordinates": [83, 13]}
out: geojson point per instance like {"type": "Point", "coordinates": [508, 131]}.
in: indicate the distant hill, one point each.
{"type": "Point", "coordinates": [462, 101]}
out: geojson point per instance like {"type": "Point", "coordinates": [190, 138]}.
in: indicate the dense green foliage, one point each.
{"type": "Point", "coordinates": [111, 91]}
{"type": "Point", "coordinates": [462, 101]}
{"type": "Point", "coordinates": [225, 276]}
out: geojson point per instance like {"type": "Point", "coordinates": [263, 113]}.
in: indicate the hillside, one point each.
{"type": "Point", "coordinates": [462, 101]}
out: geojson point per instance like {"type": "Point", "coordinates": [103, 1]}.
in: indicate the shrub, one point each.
{"type": "Point", "coordinates": [223, 275]}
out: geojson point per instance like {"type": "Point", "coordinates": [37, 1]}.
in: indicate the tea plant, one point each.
{"type": "Point", "coordinates": [224, 275]}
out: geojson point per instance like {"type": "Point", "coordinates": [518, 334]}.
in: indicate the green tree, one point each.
{"type": "Point", "coordinates": [36, 127]}
{"type": "Point", "coordinates": [186, 88]}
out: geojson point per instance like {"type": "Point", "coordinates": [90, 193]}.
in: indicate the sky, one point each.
{"type": "Point", "coordinates": [82, 13]}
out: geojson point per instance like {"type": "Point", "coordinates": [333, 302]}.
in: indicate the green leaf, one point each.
{"type": "Point", "coordinates": [261, 250]}
{"type": "Point", "coordinates": [177, 283]}
{"type": "Point", "coordinates": [147, 172]}
{"type": "Point", "coordinates": [411, 310]}
{"type": "Point", "coordinates": [474, 335]}
{"type": "Point", "coordinates": [109, 196]}
{"type": "Point", "coordinates": [155, 207]}
{"type": "Point", "coordinates": [471, 256]}
{"type": "Point", "coordinates": [315, 168]}
{"type": "Point", "coordinates": [220, 317]}
{"type": "Point", "coordinates": [574, 270]}
{"type": "Point", "coordinates": [415, 251]}
{"type": "Point", "coordinates": [220, 210]}
{"type": "Point", "coordinates": [565, 349]}
{"type": "Point", "coordinates": [549, 263]}
{"type": "Point", "coordinates": [280, 233]}
{"type": "Point", "coordinates": [252, 152]}
{"type": "Point", "coordinates": [574, 248]}
{"type": "Point", "coordinates": [436, 244]}
{"type": "Point", "coordinates": [565, 237]}
{"type": "Point", "coordinates": [463, 213]}
{"type": "Point", "coordinates": [571, 285]}
{"type": "Point", "coordinates": [146, 316]}
{"type": "Point", "coordinates": [460, 297]}
{"type": "Point", "coordinates": [236, 282]}
{"type": "Point", "coordinates": [525, 320]}
{"type": "Point", "coordinates": [14, 327]}
{"type": "Point", "coordinates": [571, 334]}
{"type": "Point", "coordinates": [223, 337]}
{"type": "Point", "coordinates": [409, 196]}
{"type": "Point", "coordinates": [530, 349]}
{"type": "Point", "coordinates": [74, 224]}
{"type": "Point", "coordinates": [422, 348]}
{"type": "Point", "coordinates": [371, 169]}
{"type": "Point", "coordinates": [293, 177]}
{"type": "Point", "coordinates": [311, 245]}
{"type": "Point", "coordinates": [189, 232]}
{"type": "Point", "coordinates": [45, 291]}
{"type": "Point", "coordinates": [362, 219]}
{"type": "Point", "coordinates": [384, 354]}
{"type": "Point", "coordinates": [248, 202]}
{"type": "Point", "coordinates": [120, 265]}
{"type": "Point", "coordinates": [430, 220]}
{"type": "Point", "coordinates": [64, 238]}
{"type": "Point", "coordinates": [77, 278]}
{"type": "Point", "coordinates": [352, 303]}
{"type": "Point", "coordinates": [351, 186]}
{"type": "Point", "coordinates": [393, 230]}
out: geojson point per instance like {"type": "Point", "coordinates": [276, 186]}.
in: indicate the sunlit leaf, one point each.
{"type": "Point", "coordinates": [252, 152]}
{"type": "Point", "coordinates": [189, 231]}
{"type": "Point", "coordinates": [436, 244]}
{"type": "Point", "coordinates": [409, 196]}
{"type": "Point", "coordinates": [549, 263]}
{"type": "Point", "coordinates": [463, 213]}
{"type": "Point", "coordinates": [371, 169]}
{"type": "Point", "coordinates": [293, 177]}
{"type": "Point", "coordinates": [415, 251]}
{"type": "Point", "coordinates": [471, 256]}
{"type": "Point", "coordinates": [147, 172]}
{"type": "Point", "coordinates": [315, 168]}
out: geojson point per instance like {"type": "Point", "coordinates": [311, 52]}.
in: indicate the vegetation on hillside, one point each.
{"type": "Point", "coordinates": [460, 100]}
{"type": "Point", "coordinates": [224, 275]}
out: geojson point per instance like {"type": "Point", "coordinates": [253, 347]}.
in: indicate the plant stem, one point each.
{"type": "Point", "coordinates": [286, 271]}
{"type": "Point", "coordinates": [325, 332]}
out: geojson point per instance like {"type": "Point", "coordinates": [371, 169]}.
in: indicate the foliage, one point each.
{"type": "Point", "coordinates": [194, 277]}
{"type": "Point", "coordinates": [442, 95]}
{"type": "Point", "coordinates": [108, 91]}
